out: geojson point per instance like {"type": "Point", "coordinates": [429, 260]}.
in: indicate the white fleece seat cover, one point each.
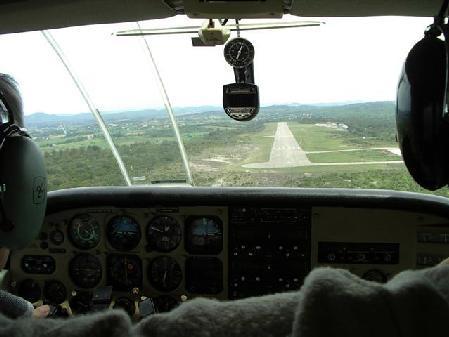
{"type": "Point", "coordinates": [331, 303]}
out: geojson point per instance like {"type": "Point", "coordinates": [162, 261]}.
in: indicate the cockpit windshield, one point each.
{"type": "Point", "coordinates": [327, 110]}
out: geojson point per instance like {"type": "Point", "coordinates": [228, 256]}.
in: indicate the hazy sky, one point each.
{"type": "Point", "coordinates": [356, 59]}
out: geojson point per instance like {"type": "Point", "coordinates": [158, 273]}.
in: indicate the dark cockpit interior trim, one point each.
{"type": "Point", "coordinates": [267, 197]}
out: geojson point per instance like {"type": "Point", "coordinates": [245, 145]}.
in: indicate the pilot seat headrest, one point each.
{"type": "Point", "coordinates": [23, 177]}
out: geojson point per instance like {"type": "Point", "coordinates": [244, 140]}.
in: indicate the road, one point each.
{"type": "Point", "coordinates": [285, 152]}
{"type": "Point", "coordinates": [359, 163]}
{"type": "Point", "coordinates": [394, 150]}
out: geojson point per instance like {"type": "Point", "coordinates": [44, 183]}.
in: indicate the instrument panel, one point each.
{"type": "Point", "coordinates": [147, 260]}
{"type": "Point", "coordinates": [164, 254]}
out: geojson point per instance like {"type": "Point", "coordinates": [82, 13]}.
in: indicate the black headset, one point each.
{"type": "Point", "coordinates": [422, 118]}
{"type": "Point", "coordinates": [23, 177]}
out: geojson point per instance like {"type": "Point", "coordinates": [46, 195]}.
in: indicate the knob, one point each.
{"type": "Point", "coordinates": [331, 257]}
{"type": "Point", "coordinates": [57, 237]}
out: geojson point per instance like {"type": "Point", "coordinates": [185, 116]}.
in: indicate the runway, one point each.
{"type": "Point", "coordinates": [285, 152]}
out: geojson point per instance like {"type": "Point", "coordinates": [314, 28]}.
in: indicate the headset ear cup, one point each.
{"type": "Point", "coordinates": [423, 134]}
{"type": "Point", "coordinates": [24, 197]}
{"type": "Point", "coordinates": [429, 177]}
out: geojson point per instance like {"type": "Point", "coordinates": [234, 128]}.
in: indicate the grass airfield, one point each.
{"type": "Point", "coordinates": [218, 152]}
{"type": "Point", "coordinates": [322, 145]}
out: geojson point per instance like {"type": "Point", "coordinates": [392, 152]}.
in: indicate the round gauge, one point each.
{"type": "Point", "coordinates": [85, 270]}
{"type": "Point", "coordinates": [239, 52]}
{"type": "Point", "coordinates": [54, 292]}
{"type": "Point", "coordinates": [124, 272]}
{"type": "Point", "coordinates": [123, 233]}
{"type": "Point", "coordinates": [165, 303]}
{"type": "Point", "coordinates": [164, 234]}
{"type": "Point", "coordinates": [30, 290]}
{"type": "Point", "coordinates": [84, 231]}
{"type": "Point", "coordinates": [165, 273]}
{"type": "Point", "coordinates": [204, 235]}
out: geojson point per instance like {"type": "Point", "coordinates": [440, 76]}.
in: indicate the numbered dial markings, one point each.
{"type": "Point", "coordinates": [204, 235]}
{"type": "Point", "coordinates": [165, 273]}
{"type": "Point", "coordinates": [124, 271]}
{"type": "Point", "coordinates": [239, 52]}
{"type": "Point", "coordinates": [84, 231]}
{"type": "Point", "coordinates": [164, 234]}
{"type": "Point", "coordinates": [54, 292]}
{"type": "Point", "coordinates": [123, 233]}
{"type": "Point", "coordinates": [85, 270]}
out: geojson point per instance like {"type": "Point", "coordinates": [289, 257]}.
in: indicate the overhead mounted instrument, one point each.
{"type": "Point", "coordinates": [216, 32]}
{"type": "Point", "coordinates": [240, 99]}
{"type": "Point", "coordinates": [239, 52]}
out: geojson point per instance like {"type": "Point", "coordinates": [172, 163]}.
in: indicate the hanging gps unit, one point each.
{"type": "Point", "coordinates": [241, 99]}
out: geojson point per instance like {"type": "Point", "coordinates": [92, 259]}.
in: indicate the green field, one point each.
{"type": "Point", "coordinates": [260, 144]}
{"type": "Point", "coordinates": [353, 156]}
{"type": "Point", "coordinates": [219, 147]}
{"type": "Point", "coordinates": [317, 138]}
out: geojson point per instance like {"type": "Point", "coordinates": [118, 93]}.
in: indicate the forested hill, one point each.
{"type": "Point", "coordinates": [377, 114]}
{"type": "Point", "coordinates": [45, 120]}
{"type": "Point", "coordinates": [374, 119]}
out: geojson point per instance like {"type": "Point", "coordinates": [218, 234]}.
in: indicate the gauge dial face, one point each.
{"type": "Point", "coordinates": [165, 273]}
{"type": "Point", "coordinates": [54, 292]}
{"type": "Point", "coordinates": [85, 270]}
{"type": "Point", "coordinates": [239, 52]}
{"type": "Point", "coordinates": [124, 272]}
{"type": "Point", "coordinates": [30, 290]}
{"type": "Point", "coordinates": [164, 234]}
{"type": "Point", "coordinates": [123, 233]}
{"type": "Point", "coordinates": [84, 231]}
{"type": "Point", "coordinates": [204, 235]}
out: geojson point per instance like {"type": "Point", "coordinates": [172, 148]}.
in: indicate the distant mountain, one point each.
{"type": "Point", "coordinates": [273, 112]}
{"type": "Point", "coordinates": [338, 103]}
{"type": "Point", "coordinates": [41, 119]}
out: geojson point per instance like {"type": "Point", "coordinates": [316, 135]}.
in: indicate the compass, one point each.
{"type": "Point", "coordinates": [239, 52]}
